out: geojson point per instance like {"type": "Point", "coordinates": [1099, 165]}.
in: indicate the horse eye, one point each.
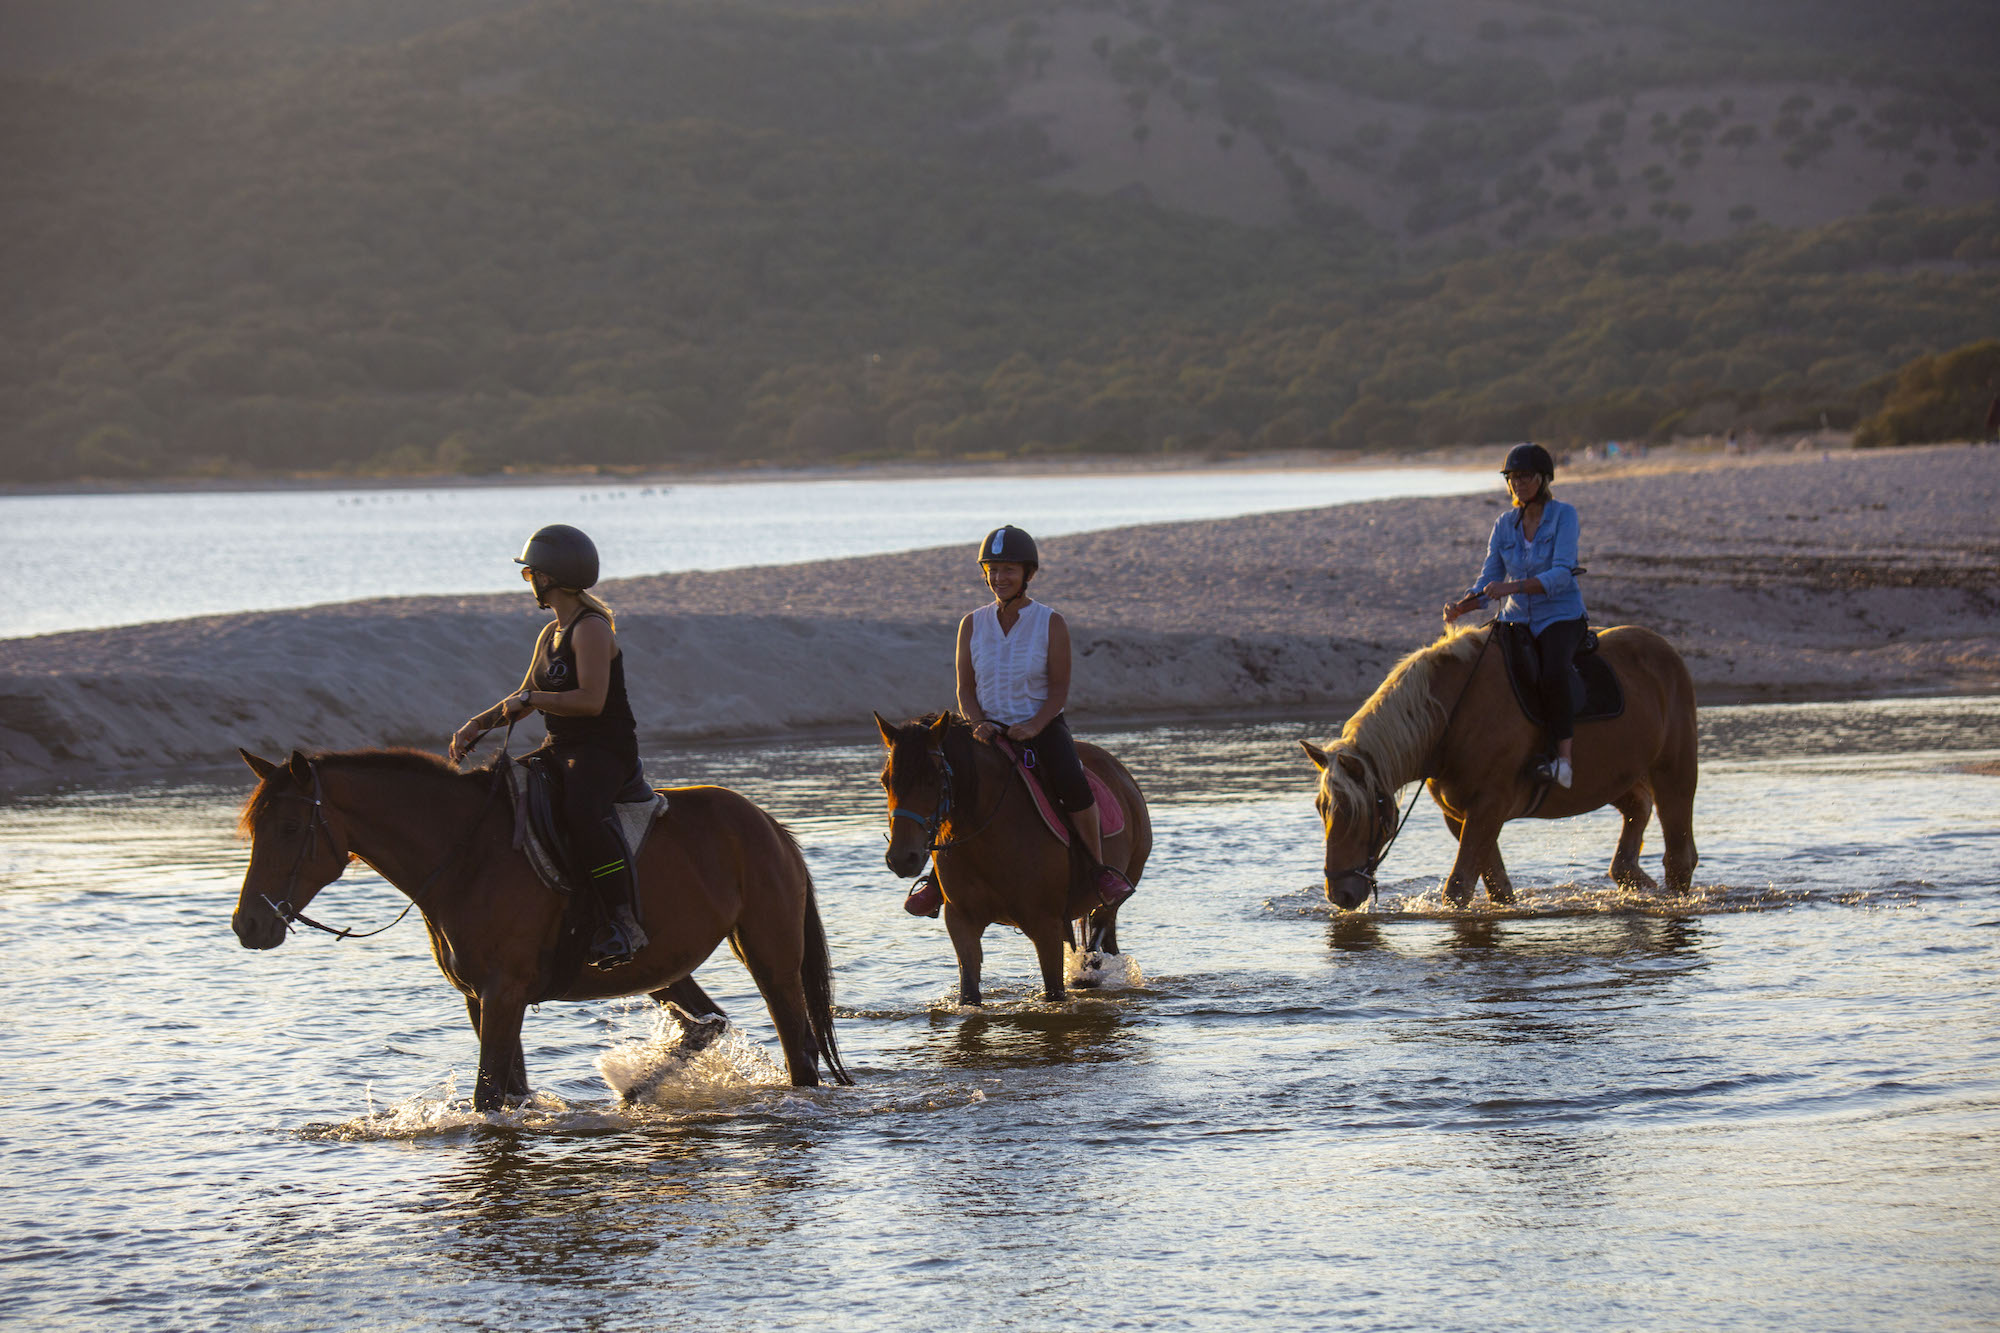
{"type": "Point", "coordinates": [289, 829]}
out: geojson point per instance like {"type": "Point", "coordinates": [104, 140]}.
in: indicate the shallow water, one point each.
{"type": "Point", "coordinates": [124, 558]}
{"type": "Point", "coordinates": [1773, 1104]}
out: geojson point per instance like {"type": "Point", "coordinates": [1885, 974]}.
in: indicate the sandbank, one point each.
{"type": "Point", "coordinates": [1779, 576]}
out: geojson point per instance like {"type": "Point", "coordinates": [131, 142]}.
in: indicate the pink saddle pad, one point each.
{"type": "Point", "coordinates": [1110, 815]}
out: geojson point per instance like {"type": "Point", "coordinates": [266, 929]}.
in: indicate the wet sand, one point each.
{"type": "Point", "coordinates": [1837, 575]}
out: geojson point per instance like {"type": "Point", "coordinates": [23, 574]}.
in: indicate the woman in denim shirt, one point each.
{"type": "Point", "coordinates": [1531, 563]}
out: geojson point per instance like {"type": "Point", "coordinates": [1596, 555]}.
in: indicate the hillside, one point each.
{"type": "Point", "coordinates": [351, 234]}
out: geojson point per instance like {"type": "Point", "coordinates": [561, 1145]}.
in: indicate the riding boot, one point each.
{"type": "Point", "coordinates": [925, 897]}
{"type": "Point", "coordinates": [620, 936]}
{"type": "Point", "coordinates": [1112, 886]}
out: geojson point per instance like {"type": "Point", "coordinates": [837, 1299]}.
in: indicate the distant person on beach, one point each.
{"type": "Point", "coordinates": [1013, 680]}
{"type": "Point", "coordinates": [1531, 564]}
{"type": "Point", "coordinates": [576, 680]}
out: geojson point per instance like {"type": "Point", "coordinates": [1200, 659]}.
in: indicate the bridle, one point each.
{"type": "Point", "coordinates": [1365, 871]}
{"type": "Point", "coordinates": [293, 917]}
{"type": "Point", "coordinates": [940, 815]}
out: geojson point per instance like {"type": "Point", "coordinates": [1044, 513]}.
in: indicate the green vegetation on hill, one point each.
{"type": "Point", "coordinates": [1944, 397]}
{"type": "Point", "coordinates": [328, 235]}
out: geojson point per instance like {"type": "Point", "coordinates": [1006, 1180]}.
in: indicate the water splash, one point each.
{"type": "Point", "coordinates": [1090, 970]}
{"type": "Point", "coordinates": [681, 1064]}
{"type": "Point", "coordinates": [439, 1112]}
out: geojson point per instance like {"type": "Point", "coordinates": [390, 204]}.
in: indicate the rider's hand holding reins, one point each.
{"type": "Point", "coordinates": [511, 709]}
{"type": "Point", "coordinates": [1463, 606]}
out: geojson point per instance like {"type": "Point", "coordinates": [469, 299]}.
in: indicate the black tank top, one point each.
{"type": "Point", "coordinates": [555, 671]}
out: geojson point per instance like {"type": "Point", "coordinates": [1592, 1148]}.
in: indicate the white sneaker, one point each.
{"type": "Point", "coordinates": [1563, 773]}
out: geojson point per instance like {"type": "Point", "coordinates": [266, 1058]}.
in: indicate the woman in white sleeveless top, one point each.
{"type": "Point", "coordinates": [1013, 677]}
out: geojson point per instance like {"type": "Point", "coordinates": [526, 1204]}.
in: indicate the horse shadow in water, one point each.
{"type": "Point", "coordinates": [1447, 715]}
{"type": "Point", "coordinates": [961, 802]}
{"type": "Point", "coordinates": [713, 867]}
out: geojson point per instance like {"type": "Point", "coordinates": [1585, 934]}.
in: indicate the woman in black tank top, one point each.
{"type": "Point", "coordinates": [577, 683]}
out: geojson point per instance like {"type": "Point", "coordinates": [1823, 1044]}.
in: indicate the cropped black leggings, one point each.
{"type": "Point", "coordinates": [592, 776]}
{"type": "Point", "coordinates": [1556, 646]}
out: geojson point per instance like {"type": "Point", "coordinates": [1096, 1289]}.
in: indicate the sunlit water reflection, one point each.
{"type": "Point", "coordinates": [1771, 1104]}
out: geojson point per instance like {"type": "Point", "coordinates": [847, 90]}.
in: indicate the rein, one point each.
{"type": "Point", "coordinates": [291, 915]}
{"type": "Point", "coordinates": [1366, 870]}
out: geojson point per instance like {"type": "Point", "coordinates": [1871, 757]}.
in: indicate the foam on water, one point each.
{"type": "Point", "coordinates": [1090, 970]}
{"type": "Point", "coordinates": [440, 1113]}
{"type": "Point", "coordinates": [674, 1067]}
{"type": "Point", "coordinates": [1423, 899]}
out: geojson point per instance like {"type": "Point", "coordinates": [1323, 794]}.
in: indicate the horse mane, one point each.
{"type": "Point", "coordinates": [417, 762]}
{"type": "Point", "coordinates": [960, 751]}
{"type": "Point", "coordinates": [1391, 735]}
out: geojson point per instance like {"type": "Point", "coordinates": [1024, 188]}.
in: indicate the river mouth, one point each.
{"type": "Point", "coordinates": [1404, 1116]}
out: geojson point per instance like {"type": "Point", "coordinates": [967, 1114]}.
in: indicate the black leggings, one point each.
{"type": "Point", "coordinates": [592, 776]}
{"type": "Point", "coordinates": [1556, 646]}
{"type": "Point", "coordinates": [1061, 772]}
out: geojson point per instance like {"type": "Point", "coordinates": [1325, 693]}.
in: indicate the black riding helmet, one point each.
{"type": "Point", "coordinates": [563, 553]}
{"type": "Point", "coordinates": [1529, 458]}
{"type": "Point", "coordinates": [1009, 545]}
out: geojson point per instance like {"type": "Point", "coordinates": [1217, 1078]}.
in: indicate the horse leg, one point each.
{"type": "Point", "coordinates": [501, 1065]}
{"type": "Point", "coordinates": [1499, 888]}
{"type": "Point", "coordinates": [1103, 930]}
{"type": "Point", "coordinates": [1478, 839]}
{"type": "Point", "coordinates": [1676, 797]}
{"type": "Point", "coordinates": [774, 962]}
{"type": "Point", "coordinates": [700, 1017]}
{"type": "Point", "coordinates": [1637, 807]}
{"type": "Point", "coordinates": [965, 935]}
{"type": "Point", "coordinates": [517, 1074]}
{"type": "Point", "coordinates": [1048, 944]}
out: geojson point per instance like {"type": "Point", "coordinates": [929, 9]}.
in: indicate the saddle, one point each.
{"type": "Point", "coordinates": [1111, 815]}
{"type": "Point", "coordinates": [1594, 691]}
{"type": "Point", "coordinates": [535, 787]}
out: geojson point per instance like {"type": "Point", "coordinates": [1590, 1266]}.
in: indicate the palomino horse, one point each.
{"type": "Point", "coordinates": [713, 866]}
{"type": "Point", "coordinates": [996, 861]}
{"type": "Point", "coordinates": [1447, 715]}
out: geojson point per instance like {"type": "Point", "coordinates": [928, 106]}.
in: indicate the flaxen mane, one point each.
{"type": "Point", "coordinates": [1391, 735]}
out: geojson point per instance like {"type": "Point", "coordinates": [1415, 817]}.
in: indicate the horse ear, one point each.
{"type": "Point", "coordinates": [1314, 753]}
{"type": "Point", "coordinates": [263, 768]}
{"type": "Point", "coordinates": [1352, 767]}
{"type": "Point", "coordinates": [941, 726]}
{"type": "Point", "coordinates": [301, 768]}
{"type": "Point", "coordinates": [888, 732]}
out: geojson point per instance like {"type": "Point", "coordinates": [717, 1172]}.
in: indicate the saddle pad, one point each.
{"type": "Point", "coordinates": [534, 832]}
{"type": "Point", "coordinates": [1594, 687]}
{"type": "Point", "coordinates": [1110, 815]}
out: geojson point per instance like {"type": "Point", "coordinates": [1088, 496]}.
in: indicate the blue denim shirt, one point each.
{"type": "Point", "coordinates": [1550, 557]}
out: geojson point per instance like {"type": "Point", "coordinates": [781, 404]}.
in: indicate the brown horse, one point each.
{"type": "Point", "coordinates": [1447, 715]}
{"type": "Point", "coordinates": [713, 866]}
{"type": "Point", "coordinates": [996, 860]}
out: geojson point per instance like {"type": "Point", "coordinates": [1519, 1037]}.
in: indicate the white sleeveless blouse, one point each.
{"type": "Point", "coordinates": [1011, 670]}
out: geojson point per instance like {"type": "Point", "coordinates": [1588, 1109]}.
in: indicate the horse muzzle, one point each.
{"type": "Point", "coordinates": [1347, 892]}
{"type": "Point", "coordinates": [257, 931]}
{"type": "Point", "coordinates": [905, 862]}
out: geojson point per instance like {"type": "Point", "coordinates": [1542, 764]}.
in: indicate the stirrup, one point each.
{"type": "Point", "coordinates": [1112, 886]}
{"type": "Point", "coordinates": [1554, 772]}
{"type": "Point", "coordinates": [925, 897]}
{"type": "Point", "coordinates": [617, 941]}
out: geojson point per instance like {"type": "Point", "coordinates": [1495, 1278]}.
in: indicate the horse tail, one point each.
{"type": "Point", "coordinates": [816, 969]}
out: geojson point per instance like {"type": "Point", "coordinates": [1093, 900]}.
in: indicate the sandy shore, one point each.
{"type": "Point", "coordinates": [1778, 576]}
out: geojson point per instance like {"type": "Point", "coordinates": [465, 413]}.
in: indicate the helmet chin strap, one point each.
{"type": "Point", "coordinates": [542, 589]}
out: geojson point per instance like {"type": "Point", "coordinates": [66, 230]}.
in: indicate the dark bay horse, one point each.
{"type": "Point", "coordinates": [1447, 715]}
{"type": "Point", "coordinates": [714, 866]}
{"type": "Point", "coordinates": [996, 860]}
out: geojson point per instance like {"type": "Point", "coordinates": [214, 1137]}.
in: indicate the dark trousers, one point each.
{"type": "Point", "coordinates": [1056, 764]}
{"type": "Point", "coordinates": [1556, 647]}
{"type": "Point", "coordinates": [592, 776]}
